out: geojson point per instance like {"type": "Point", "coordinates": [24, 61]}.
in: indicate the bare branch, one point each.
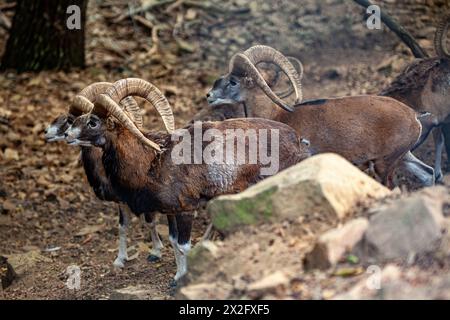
{"type": "Point", "coordinates": [401, 32]}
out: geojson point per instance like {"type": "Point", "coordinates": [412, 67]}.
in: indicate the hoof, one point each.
{"type": "Point", "coordinates": [153, 258]}
{"type": "Point", "coordinates": [439, 178]}
{"type": "Point", "coordinates": [173, 283]}
{"type": "Point", "coordinates": [119, 264]}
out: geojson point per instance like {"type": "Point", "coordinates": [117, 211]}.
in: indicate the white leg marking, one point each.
{"type": "Point", "coordinates": [122, 256]}
{"type": "Point", "coordinates": [182, 267]}
{"type": "Point", "coordinates": [156, 241]}
{"type": "Point", "coordinates": [422, 171]}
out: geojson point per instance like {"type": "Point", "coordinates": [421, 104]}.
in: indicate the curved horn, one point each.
{"type": "Point", "coordinates": [440, 38]}
{"type": "Point", "coordinates": [83, 102]}
{"type": "Point", "coordinates": [242, 62]}
{"type": "Point", "coordinates": [106, 105]}
{"type": "Point", "coordinates": [132, 108]}
{"type": "Point", "coordinates": [299, 67]}
{"type": "Point", "coordinates": [146, 90]}
{"type": "Point", "coordinates": [261, 53]}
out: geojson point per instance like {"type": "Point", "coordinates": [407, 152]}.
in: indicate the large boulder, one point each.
{"type": "Point", "coordinates": [323, 186]}
{"type": "Point", "coordinates": [411, 225]}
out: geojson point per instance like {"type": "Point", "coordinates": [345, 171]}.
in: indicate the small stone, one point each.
{"type": "Point", "coordinates": [332, 245]}
{"type": "Point", "coordinates": [202, 258]}
{"type": "Point", "coordinates": [139, 292]}
{"type": "Point", "coordinates": [270, 283]}
{"type": "Point", "coordinates": [205, 291]}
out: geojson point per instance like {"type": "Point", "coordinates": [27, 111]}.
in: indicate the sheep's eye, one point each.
{"type": "Point", "coordinates": [69, 121]}
{"type": "Point", "coordinates": [233, 83]}
{"type": "Point", "coordinates": [92, 124]}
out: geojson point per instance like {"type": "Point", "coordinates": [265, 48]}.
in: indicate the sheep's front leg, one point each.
{"type": "Point", "coordinates": [124, 219]}
{"type": "Point", "coordinates": [180, 227]}
{"type": "Point", "coordinates": [157, 245]}
{"type": "Point", "coordinates": [439, 144]}
{"type": "Point", "coordinates": [184, 227]}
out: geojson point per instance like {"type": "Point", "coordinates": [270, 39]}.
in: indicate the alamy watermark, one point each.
{"type": "Point", "coordinates": [231, 147]}
{"type": "Point", "coordinates": [74, 277]}
{"type": "Point", "coordinates": [73, 22]}
{"type": "Point", "coordinates": [374, 20]}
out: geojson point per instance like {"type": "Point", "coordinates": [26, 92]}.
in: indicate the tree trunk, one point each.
{"type": "Point", "coordinates": [40, 38]}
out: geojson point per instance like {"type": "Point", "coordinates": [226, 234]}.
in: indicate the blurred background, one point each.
{"type": "Point", "coordinates": [182, 46]}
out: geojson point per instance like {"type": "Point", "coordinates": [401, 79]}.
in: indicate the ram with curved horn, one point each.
{"type": "Point", "coordinates": [177, 171]}
{"type": "Point", "coordinates": [93, 166]}
{"type": "Point", "coordinates": [424, 86]}
{"type": "Point", "coordinates": [369, 131]}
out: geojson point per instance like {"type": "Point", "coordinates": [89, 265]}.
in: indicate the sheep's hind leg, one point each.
{"type": "Point", "coordinates": [439, 144]}
{"type": "Point", "coordinates": [157, 245]}
{"type": "Point", "coordinates": [446, 132]}
{"type": "Point", "coordinates": [122, 256]}
{"type": "Point", "coordinates": [173, 239]}
{"type": "Point", "coordinates": [419, 169]}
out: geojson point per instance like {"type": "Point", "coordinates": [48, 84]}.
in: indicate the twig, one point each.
{"type": "Point", "coordinates": [208, 233]}
{"type": "Point", "coordinates": [404, 35]}
{"type": "Point", "coordinates": [155, 40]}
{"type": "Point", "coordinates": [144, 22]}
{"type": "Point", "coordinates": [143, 8]}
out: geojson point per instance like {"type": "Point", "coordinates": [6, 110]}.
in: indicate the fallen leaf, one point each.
{"type": "Point", "coordinates": [89, 230]}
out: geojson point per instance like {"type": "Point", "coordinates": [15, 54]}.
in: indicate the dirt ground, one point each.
{"type": "Point", "coordinates": [45, 201]}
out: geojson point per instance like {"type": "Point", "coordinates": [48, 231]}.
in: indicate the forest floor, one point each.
{"type": "Point", "coordinates": [46, 204]}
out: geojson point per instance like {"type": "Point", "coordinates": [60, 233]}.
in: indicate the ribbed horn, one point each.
{"type": "Point", "coordinates": [240, 62]}
{"type": "Point", "coordinates": [146, 90]}
{"type": "Point", "coordinates": [83, 102]}
{"type": "Point", "coordinates": [440, 38]}
{"type": "Point", "coordinates": [299, 67]}
{"type": "Point", "coordinates": [261, 53]}
{"type": "Point", "coordinates": [134, 112]}
{"type": "Point", "coordinates": [105, 105]}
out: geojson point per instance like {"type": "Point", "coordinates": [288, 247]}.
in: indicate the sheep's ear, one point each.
{"type": "Point", "coordinates": [248, 82]}
{"type": "Point", "coordinates": [110, 123]}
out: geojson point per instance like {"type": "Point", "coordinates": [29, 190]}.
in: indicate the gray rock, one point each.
{"type": "Point", "coordinates": [406, 227]}
{"type": "Point", "coordinates": [139, 292]}
{"type": "Point", "coordinates": [202, 257]}
{"type": "Point", "coordinates": [205, 291]}
{"type": "Point", "coordinates": [323, 186]}
{"type": "Point", "coordinates": [333, 244]}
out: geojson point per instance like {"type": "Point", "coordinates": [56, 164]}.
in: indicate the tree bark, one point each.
{"type": "Point", "coordinates": [40, 39]}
